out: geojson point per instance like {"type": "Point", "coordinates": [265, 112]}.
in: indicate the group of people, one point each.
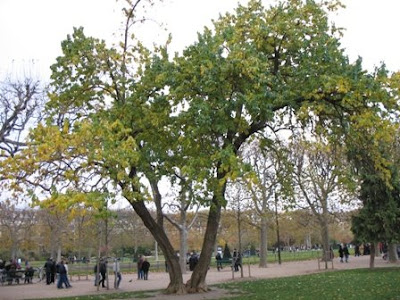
{"type": "Point", "coordinates": [12, 270]}
{"type": "Point", "coordinates": [343, 253]}
{"type": "Point", "coordinates": [101, 275]}
{"type": "Point", "coordinates": [236, 260]}
{"type": "Point", "coordinates": [143, 267]}
{"type": "Point", "coordinates": [57, 270]}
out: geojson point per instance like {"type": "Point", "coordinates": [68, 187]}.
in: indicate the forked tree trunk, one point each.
{"type": "Point", "coordinates": [176, 285]}
{"type": "Point", "coordinates": [197, 282]}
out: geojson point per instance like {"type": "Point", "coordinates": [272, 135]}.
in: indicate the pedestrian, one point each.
{"type": "Point", "coordinates": [117, 273]}
{"type": "Point", "coordinates": [62, 275]}
{"type": "Point", "coordinates": [53, 271]}
{"type": "Point", "coordinates": [219, 261]}
{"type": "Point", "coordinates": [346, 253]}
{"type": "Point", "coordinates": [66, 275]}
{"type": "Point", "coordinates": [96, 275]}
{"type": "Point", "coordinates": [145, 269]}
{"type": "Point", "coordinates": [48, 267]}
{"type": "Point", "coordinates": [103, 271]}
{"type": "Point", "coordinates": [234, 259]}
{"type": "Point", "coordinates": [341, 253]}
{"type": "Point", "coordinates": [139, 267]}
{"type": "Point", "coordinates": [357, 250]}
{"type": "Point", "coordinates": [193, 260]}
{"type": "Point", "coordinates": [238, 262]}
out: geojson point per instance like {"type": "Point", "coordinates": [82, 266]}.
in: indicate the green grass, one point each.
{"type": "Point", "coordinates": [365, 284]}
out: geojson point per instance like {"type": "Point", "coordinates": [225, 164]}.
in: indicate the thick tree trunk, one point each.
{"type": "Point", "coordinates": [372, 256]}
{"type": "Point", "coordinates": [325, 242]}
{"type": "Point", "coordinates": [183, 248]}
{"type": "Point", "coordinates": [176, 285]}
{"type": "Point", "coordinates": [197, 282]}
{"type": "Point", "coordinates": [263, 242]}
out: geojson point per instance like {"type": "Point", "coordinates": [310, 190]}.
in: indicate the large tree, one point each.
{"type": "Point", "coordinates": [120, 118]}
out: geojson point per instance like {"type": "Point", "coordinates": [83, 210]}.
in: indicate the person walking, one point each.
{"type": "Point", "coordinates": [62, 279]}
{"type": "Point", "coordinates": [341, 253]}
{"type": "Point", "coordinates": [346, 253]}
{"type": "Point", "coordinates": [117, 273]}
{"type": "Point", "coordinates": [235, 258]}
{"type": "Point", "coordinates": [103, 271]}
{"type": "Point", "coordinates": [48, 266]}
{"type": "Point", "coordinates": [139, 267]}
{"type": "Point", "coordinates": [66, 275]}
{"type": "Point", "coordinates": [145, 269]}
{"type": "Point", "coordinates": [219, 261]}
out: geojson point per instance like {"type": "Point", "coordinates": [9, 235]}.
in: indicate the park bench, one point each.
{"type": "Point", "coordinates": [223, 262]}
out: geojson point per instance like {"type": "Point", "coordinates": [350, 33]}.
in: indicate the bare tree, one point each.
{"type": "Point", "coordinates": [319, 168]}
{"type": "Point", "coordinates": [20, 106]}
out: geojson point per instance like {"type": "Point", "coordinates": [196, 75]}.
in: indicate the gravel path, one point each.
{"type": "Point", "coordinates": [159, 281]}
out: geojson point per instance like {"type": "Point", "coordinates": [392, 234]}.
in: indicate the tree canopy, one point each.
{"type": "Point", "coordinates": [119, 117]}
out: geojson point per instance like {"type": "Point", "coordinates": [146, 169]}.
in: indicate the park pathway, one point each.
{"type": "Point", "coordinates": [160, 280]}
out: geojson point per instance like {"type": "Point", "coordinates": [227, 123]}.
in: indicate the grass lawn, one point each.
{"type": "Point", "coordinates": [365, 284]}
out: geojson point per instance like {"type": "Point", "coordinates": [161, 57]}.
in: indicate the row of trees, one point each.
{"type": "Point", "coordinates": [38, 234]}
{"type": "Point", "coordinates": [263, 106]}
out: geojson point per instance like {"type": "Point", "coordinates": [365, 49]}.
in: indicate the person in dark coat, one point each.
{"type": "Point", "coordinates": [103, 271]}
{"type": "Point", "coordinates": [346, 253]}
{"type": "Point", "coordinates": [48, 267]}
{"type": "Point", "coordinates": [62, 271]}
{"type": "Point", "coordinates": [238, 262]}
{"type": "Point", "coordinates": [341, 253]}
{"type": "Point", "coordinates": [219, 261]}
{"type": "Point", "coordinates": [193, 260]}
{"type": "Point", "coordinates": [145, 269]}
{"type": "Point", "coordinates": [357, 250]}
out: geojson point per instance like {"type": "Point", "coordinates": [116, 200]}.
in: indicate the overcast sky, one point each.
{"type": "Point", "coordinates": [31, 30]}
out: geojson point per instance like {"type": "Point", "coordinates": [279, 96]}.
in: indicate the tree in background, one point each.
{"type": "Point", "coordinates": [319, 172]}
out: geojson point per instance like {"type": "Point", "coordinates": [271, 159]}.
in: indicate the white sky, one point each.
{"type": "Point", "coordinates": [31, 30]}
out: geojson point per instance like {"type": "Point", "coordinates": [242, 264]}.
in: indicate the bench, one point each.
{"type": "Point", "coordinates": [222, 262]}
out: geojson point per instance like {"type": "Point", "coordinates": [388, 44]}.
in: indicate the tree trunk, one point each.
{"type": "Point", "coordinates": [176, 285]}
{"type": "Point", "coordinates": [183, 248]}
{"type": "Point", "coordinates": [263, 242]}
{"type": "Point", "coordinates": [197, 282]}
{"type": "Point", "coordinates": [392, 253]}
{"type": "Point", "coordinates": [325, 242]}
{"type": "Point", "coordinates": [372, 256]}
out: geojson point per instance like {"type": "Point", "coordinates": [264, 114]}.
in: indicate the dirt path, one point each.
{"type": "Point", "coordinates": [159, 281]}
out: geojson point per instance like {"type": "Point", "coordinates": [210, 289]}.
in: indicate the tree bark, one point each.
{"type": "Point", "coordinates": [372, 256]}
{"type": "Point", "coordinates": [183, 248]}
{"type": "Point", "coordinates": [325, 242]}
{"type": "Point", "coordinates": [392, 253]}
{"type": "Point", "coordinates": [176, 285]}
{"type": "Point", "coordinates": [263, 242]}
{"type": "Point", "coordinates": [197, 282]}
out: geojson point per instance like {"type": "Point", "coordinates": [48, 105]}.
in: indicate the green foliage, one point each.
{"type": "Point", "coordinates": [227, 252]}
